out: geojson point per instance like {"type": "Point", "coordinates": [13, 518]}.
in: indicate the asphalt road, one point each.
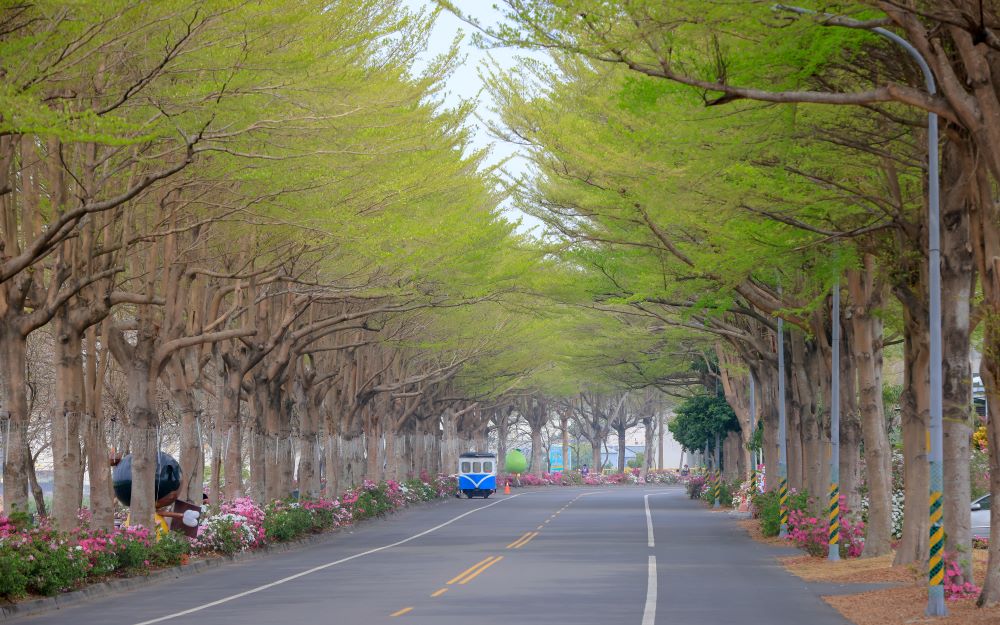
{"type": "Point", "coordinates": [555, 555]}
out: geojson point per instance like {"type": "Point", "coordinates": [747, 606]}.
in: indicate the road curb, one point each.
{"type": "Point", "coordinates": [102, 589]}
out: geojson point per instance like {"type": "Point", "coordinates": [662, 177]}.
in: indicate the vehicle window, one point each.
{"type": "Point", "coordinates": [984, 503]}
{"type": "Point", "coordinates": [477, 467]}
{"type": "Point", "coordinates": [466, 467]}
{"type": "Point", "coordinates": [487, 467]}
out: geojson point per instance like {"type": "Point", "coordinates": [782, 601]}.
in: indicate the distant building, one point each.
{"type": "Point", "coordinates": [609, 457]}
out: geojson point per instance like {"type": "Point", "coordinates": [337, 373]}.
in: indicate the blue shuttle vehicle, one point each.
{"type": "Point", "coordinates": [477, 474]}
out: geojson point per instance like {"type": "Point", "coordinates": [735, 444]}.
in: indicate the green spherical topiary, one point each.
{"type": "Point", "coordinates": [516, 462]}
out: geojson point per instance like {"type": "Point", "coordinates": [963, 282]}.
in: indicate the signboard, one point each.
{"type": "Point", "coordinates": [556, 459]}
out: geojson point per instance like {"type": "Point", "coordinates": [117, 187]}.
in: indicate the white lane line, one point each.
{"type": "Point", "coordinates": [649, 612]}
{"type": "Point", "coordinates": [319, 568]}
{"type": "Point", "coordinates": [649, 517]}
{"type": "Point", "coordinates": [649, 524]}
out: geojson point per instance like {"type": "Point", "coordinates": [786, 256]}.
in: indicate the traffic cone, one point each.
{"type": "Point", "coordinates": [506, 488]}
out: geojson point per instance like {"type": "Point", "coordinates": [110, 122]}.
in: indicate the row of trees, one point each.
{"type": "Point", "coordinates": [252, 234]}
{"type": "Point", "coordinates": [714, 168]}
{"type": "Point", "coordinates": [243, 226]}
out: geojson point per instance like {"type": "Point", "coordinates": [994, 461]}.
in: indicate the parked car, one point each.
{"type": "Point", "coordinates": [981, 516]}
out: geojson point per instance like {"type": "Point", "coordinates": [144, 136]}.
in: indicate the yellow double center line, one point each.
{"type": "Point", "coordinates": [473, 571]}
{"type": "Point", "coordinates": [523, 540]}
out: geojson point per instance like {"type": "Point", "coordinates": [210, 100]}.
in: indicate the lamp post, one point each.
{"type": "Point", "coordinates": [834, 509]}
{"type": "Point", "coordinates": [782, 450]}
{"type": "Point", "coordinates": [753, 431]}
{"type": "Point", "coordinates": [717, 486]}
{"type": "Point", "coordinates": [935, 564]}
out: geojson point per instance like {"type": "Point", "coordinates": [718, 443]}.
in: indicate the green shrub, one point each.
{"type": "Point", "coordinates": [696, 485]}
{"type": "Point", "coordinates": [54, 569]}
{"type": "Point", "coordinates": [572, 478]}
{"type": "Point", "coordinates": [286, 523]}
{"type": "Point", "coordinates": [424, 491]}
{"type": "Point", "coordinates": [768, 509]}
{"type": "Point", "coordinates": [221, 535]}
{"type": "Point", "coordinates": [725, 493]}
{"type": "Point", "coordinates": [372, 503]}
{"type": "Point", "coordinates": [102, 564]}
{"type": "Point", "coordinates": [169, 550]}
{"type": "Point", "coordinates": [322, 519]}
{"type": "Point", "coordinates": [14, 571]}
{"type": "Point", "coordinates": [133, 553]}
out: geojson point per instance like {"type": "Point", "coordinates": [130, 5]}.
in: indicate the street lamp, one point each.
{"type": "Point", "coordinates": [833, 511]}
{"type": "Point", "coordinates": [753, 432]}
{"type": "Point", "coordinates": [717, 486]}
{"type": "Point", "coordinates": [935, 565]}
{"type": "Point", "coordinates": [782, 448]}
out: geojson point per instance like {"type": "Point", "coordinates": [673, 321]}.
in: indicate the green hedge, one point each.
{"type": "Point", "coordinates": [768, 509]}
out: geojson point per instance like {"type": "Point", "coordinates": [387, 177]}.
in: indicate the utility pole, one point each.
{"type": "Point", "coordinates": [833, 513]}
{"type": "Point", "coordinates": [935, 565]}
{"type": "Point", "coordinates": [718, 475]}
{"type": "Point", "coordinates": [659, 434]}
{"type": "Point", "coordinates": [782, 451]}
{"type": "Point", "coordinates": [753, 431]}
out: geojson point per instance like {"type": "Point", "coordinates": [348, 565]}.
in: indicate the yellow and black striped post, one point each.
{"type": "Point", "coordinates": [783, 504]}
{"type": "Point", "coordinates": [935, 565]}
{"type": "Point", "coordinates": [833, 516]}
{"type": "Point", "coordinates": [717, 489]}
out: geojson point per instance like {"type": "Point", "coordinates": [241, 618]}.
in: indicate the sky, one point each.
{"type": "Point", "coordinates": [466, 84]}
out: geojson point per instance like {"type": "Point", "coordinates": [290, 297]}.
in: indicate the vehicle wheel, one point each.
{"type": "Point", "coordinates": [468, 494]}
{"type": "Point", "coordinates": [487, 495]}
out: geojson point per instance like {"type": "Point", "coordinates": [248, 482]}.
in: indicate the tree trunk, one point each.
{"type": "Point", "coordinates": [192, 459]}
{"type": "Point", "coordinates": [332, 487]}
{"type": "Point", "coordinates": [989, 370]}
{"type": "Point", "coordinates": [258, 453]}
{"type": "Point", "coordinates": [434, 452]}
{"type": "Point", "coordinates": [352, 468]}
{"type": "Point", "coordinates": [229, 434]}
{"type": "Point", "coordinates": [537, 458]}
{"type": "Point", "coordinates": [768, 379]}
{"type": "Point", "coordinates": [801, 428]}
{"type": "Point", "coordinates": [915, 404]}
{"type": "Point", "coordinates": [807, 375]}
{"type": "Point", "coordinates": [36, 489]}
{"type": "Point", "coordinates": [647, 460]}
{"type": "Point", "coordinates": [621, 450]}
{"type": "Point", "coordinates": [449, 443]}
{"type": "Point", "coordinates": [866, 297]}
{"type": "Point", "coordinates": [15, 428]}
{"type": "Point", "coordinates": [392, 450]}
{"type": "Point", "coordinates": [986, 241]}
{"type": "Point", "coordinates": [958, 280]}
{"type": "Point", "coordinates": [659, 436]}
{"type": "Point", "coordinates": [308, 477]}
{"type": "Point", "coordinates": [373, 451]}
{"type": "Point", "coordinates": [850, 426]}
{"type": "Point", "coordinates": [502, 433]}
{"type": "Point", "coordinates": [67, 404]}
{"type": "Point", "coordinates": [98, 470]}
{"type": "Point", "coordinates": [564, 428]}
{"type": "Point", "coordinates": [143, 438]}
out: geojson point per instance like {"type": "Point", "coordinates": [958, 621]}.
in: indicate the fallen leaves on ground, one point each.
{"type": "Point", "coordinates": [905, 606]}
{"type": "Point", "coordinates": [855, 570]}
{"type": "Point", "coordinates": [901, 605]}
{"type": "Point", "coordinates": [752, 527]}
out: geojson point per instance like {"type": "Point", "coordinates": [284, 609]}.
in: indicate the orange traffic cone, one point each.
{"type": "Point", "coordinates": [506, 488]}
